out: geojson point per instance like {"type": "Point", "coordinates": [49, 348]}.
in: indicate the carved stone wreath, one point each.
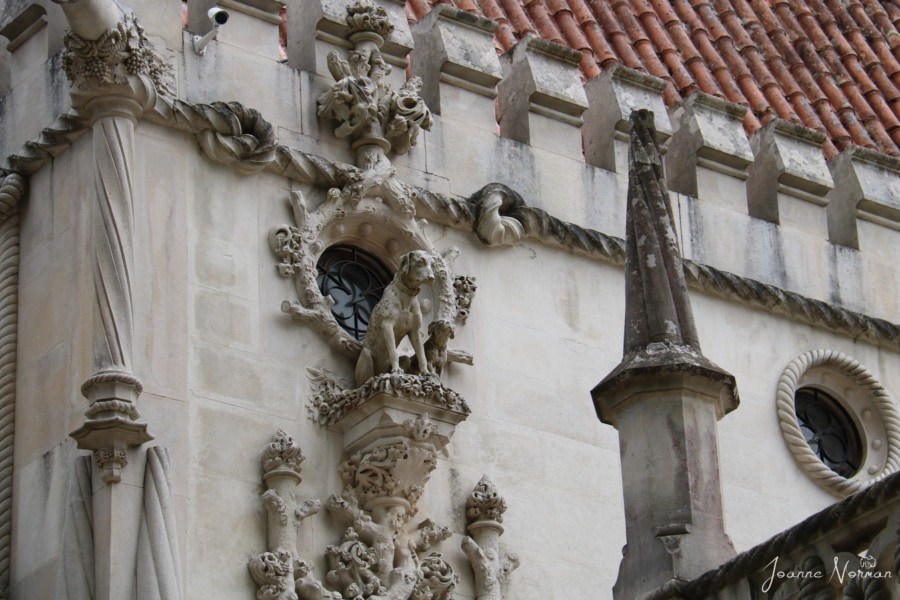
{"type": "Point", "coordinates": [873, 409]}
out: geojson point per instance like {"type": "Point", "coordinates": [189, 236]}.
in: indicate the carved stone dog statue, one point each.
{"type": "Point", "coordinates": [439, 334]}
{"type": "Point", "coordinates": [396, 315]}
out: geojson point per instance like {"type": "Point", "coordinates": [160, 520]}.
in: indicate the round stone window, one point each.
{"type": "Point", "coordinates": [829, 431]}
{"type": "Point", "coordinates": [355, 280]}
{"type": "Point", "coordinates": [839, 422]}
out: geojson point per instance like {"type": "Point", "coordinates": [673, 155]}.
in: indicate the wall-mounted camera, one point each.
{"type": "Point", "coordinates": [218, 16]}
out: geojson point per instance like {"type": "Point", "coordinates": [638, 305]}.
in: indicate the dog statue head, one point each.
{"type": "Point", "coordinates": [441, 331]}
{"type": "Point", "coordinates": [415, 269]}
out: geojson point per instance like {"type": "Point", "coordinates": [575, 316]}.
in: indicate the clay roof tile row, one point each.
{"type": "Point", "coordinates": [831, 65]}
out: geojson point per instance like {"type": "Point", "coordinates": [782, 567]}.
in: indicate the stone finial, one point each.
{"type": "Point", "coordinates": [366, 110]}
{"type": "Point", "coordinates": [659, 322]}
{"type": "Point", "coordinates": [283, 456]}
{"type": "Point", "coordinates": [485, 503]}
{"type": "Point", "coordinates": [279, 572]}
{"type": "Point", "coordinates": [665, 398]}
{"type": "Point", "coordinates": [657, 305]}
{"type": "Point", "coordinates": [484, 513]}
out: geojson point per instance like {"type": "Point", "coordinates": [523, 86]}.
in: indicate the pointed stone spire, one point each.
{"type": "Point", "coordinates": [657, 308]}
{"type": "Point", "coordinates": [659, 323]}
{"type": "Point", "coordinates": [665, 398]}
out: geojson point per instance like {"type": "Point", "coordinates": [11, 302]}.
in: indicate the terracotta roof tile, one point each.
{"type": "Point", "coordinates": [832, 65]}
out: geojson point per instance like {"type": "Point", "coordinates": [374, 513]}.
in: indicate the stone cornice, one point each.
{"type": "Point", "coordinates": [237, 136]}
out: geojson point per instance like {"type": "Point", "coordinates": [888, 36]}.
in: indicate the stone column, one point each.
{"type": "Point", "coordinates": [665, 398]}
{"type": "Point", "coordinates": [111, 426]}
{"type": "Point", "coordinates": [115, 76]}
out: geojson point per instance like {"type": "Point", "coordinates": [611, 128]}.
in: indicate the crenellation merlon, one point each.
{"type": "Point", "coordinates": [318, 27]}
{"type": "Point", "coordinates": [708, 142]}
{"type": "Point", "coordinates": [315, 28]}
{"type": "Point", "coordinates": [454, 55]}
{"type": "Point", "coordinates": [865, 190]}
{"type": "Point", "coordinates": [399, 44]}
{"type": "Point", "coordinates": [541, 98]}
{"type": "Point", "coordinates": [28, 46]}
{"type": "Point", "coordinates": [789, 176]}
{"type": "Point", "coordinates": [612, 96]}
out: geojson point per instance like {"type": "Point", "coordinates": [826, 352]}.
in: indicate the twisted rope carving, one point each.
{"type": "Point", "coordinates": [883, 496]}
{"type": "Point", "coordinates": [12, 189]}
{"type": "Point", "coordinates": [795, 306]}
{"type": "Point", "coordinates": [790, 427]}
{"type": "Point", "coordinates": [240, 137]}
{"type": "Point", "coordinates": [498, 215]}
{"type": "Point", "coordinates": [52, 141]}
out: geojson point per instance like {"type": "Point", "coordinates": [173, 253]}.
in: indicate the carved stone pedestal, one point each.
{"type": "Point", "coordinates": [394, 426]}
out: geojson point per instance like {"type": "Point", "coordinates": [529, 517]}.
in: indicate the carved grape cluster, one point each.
{"type": "Point", "coordinates": [113, 57]}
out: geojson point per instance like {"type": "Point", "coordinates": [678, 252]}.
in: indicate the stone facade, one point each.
{"type": "Point", "coordinates": [162, 213]}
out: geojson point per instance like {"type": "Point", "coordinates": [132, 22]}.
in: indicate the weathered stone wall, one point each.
{"type": "Point", "coordinates": [223, 367]}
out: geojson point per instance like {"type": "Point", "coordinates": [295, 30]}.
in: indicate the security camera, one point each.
{"type": "Point", "coordinates": [219, 17]}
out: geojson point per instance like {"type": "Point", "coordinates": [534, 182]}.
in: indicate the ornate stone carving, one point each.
{"type": "Point", "coordinates": [330, 403]}
{"type": "Point", "coordinates": [115, 56]}
{"type": "Point", "coordinates": [396, 316]}
{"type": "Point", "coordinates": [465, 288]}
{"type": "Point", "coordinates": [342, 218]}
{"type": "Point", "coordinates": [380, 556]}
{"type": "Point", "coordinates": [280, 573]}
{"type": "Point", "coordinates": [869, 399]}
{"type": "Point", "coordinates": [376, 118]}
{"type": "Point", "coordinates": [484, 513]}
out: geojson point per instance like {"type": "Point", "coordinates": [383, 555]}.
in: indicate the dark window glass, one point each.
{"type": "Point", "coordinates": [829, 431]}
{"type": "Point", "coordinates": [355, 280]}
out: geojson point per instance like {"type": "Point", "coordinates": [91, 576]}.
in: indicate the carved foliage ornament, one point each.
{"type": "Point", "coordinates": [116, 55]}
{"type": "Point", "coordinates": [361, 102]}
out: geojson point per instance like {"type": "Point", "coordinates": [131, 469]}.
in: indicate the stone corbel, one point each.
{"type": "Point", "coordinates": [280, 573]}
{"type": "Point", "coordinates": [484, 513]}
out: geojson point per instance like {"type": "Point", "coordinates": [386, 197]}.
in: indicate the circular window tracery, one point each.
{"type": "Point", "coordinates": [829, 431]}
{"type": "Point", "coordinates": [824, 399]}
{"type": "Point", "coordinates": [355, 280]}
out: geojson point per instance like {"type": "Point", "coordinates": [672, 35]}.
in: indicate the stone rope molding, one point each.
{"type": "Point", "coordinates": [803, 535]}
{"type": "Point", "coordinates": [12, 190]}
{"type": "Point", "coordinates": [793, 436]}
{"type": "Point", "coordinates": [239, 137]}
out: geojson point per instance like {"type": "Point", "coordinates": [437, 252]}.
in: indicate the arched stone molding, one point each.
{"type": "Point", "coordinates": [869, 404]}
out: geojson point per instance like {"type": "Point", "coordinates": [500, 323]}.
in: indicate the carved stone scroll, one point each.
{"type": "Point", "coordinates": [484, 513]}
